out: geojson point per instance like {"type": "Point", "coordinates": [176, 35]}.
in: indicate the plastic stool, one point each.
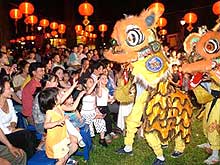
{"type": "Point", "coordinates": [85, 133]}
{"type": "Point", "coordinates": [40, 158]}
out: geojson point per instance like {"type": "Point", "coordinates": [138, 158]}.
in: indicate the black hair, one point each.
{"type": "Point", "coordinates": [56, 68]}
{"type": "Point", "coordinates": [47, 99]}
{"type": "Point", "coordinates": [33, 67]}
{"type": "Point", "coordinates": [96, 65]}
{"type": "Point", "coordinates": [3, 80]}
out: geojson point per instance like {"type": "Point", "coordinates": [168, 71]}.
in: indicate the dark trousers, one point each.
{"type": "Point", "coordinates": [108, 121]}
{"type": "Point", "coordinates": [23, 139]}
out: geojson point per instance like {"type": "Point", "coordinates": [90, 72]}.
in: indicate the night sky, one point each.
{"type": "Point", "coordinates": [109, 11]}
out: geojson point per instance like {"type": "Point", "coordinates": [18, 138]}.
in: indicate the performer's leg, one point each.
{"type": "Point", "coordinates": [179, 144]}
{"type": "Point", "coordinates": [154, 142]}
{"type": "Point", "coordinates": [134, 119]}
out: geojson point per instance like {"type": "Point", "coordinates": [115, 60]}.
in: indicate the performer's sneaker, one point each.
{"type": "Point", "coordinates": [158, 162]}
{"type": "Point", "coordinates": [176, 154]}
{"type": "Point", "coordinates": [212, 160]}
{"type": "Point", "coordinates": [122, 151]}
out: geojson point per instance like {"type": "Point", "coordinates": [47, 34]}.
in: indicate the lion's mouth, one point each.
{"type": "Point", "coordinates": [144, 52]}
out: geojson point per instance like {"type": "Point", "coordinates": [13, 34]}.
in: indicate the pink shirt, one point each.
{"type": "Point", "coordinates": [27, 97]}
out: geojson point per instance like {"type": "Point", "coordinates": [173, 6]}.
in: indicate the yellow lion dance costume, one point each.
{"type": "Point", "coordinates": [167, 111]}
{"type": "Point", "coordinates": [207, 45]}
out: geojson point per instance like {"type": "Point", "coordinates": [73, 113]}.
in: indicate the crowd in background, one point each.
{"type": "Point", "coordinates": [48, 85]}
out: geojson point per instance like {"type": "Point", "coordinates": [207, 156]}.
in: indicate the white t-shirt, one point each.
{"type": "Point", "coordinates": [103, 100]}
{"type": "Point", "coordinates": [7, 118]}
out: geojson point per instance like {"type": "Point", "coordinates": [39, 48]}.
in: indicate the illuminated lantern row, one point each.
{"type": "Point", "coordinates": [190, 18]}
{"type": "Point", "coordinates": [86, 9]}
{"type": "Point", "coordinates": [216, 10]}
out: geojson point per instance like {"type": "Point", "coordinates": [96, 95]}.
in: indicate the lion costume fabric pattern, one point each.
{"type": "Point", "coordinates": [167, 111]}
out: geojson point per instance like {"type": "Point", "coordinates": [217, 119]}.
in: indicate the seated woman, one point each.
{"type": "Point", "coordinates": [18, 137]}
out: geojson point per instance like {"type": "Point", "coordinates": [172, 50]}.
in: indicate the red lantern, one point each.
{"type": "Point", "coordinates": [32, 19]}
{"type": "Point", "coordinates": [78, 28]}
{"type": "Point", "coordinates": [86, 34]}
{"type": "Point", "coordinates": [163, 32]}
{"type": "Point", "coordinates": [162, 22]}
{"type": "Point", "coordinates": [26, 8]}
{"type": "Point", "coordinates": [32, 38]}
{"type": "Point", "coordinates": [53, 25]}
{"type": "Point", "coordinates": [54, 33]}
{"type": "Point", "coordinates": [216, 8]}
{"type": "Point", "coordinates": [22, 39]}
{"type": "Point", "coordinates": [190, 18]}
{"type": "Point", "coordinates": [94, 36]}
{"type": "Point", "coordinates": [103, 28]}
{"type": "Point", "coordinates": [44, 23]}
{"type": "Point", "coordinates": [159, 7]}
{"type": "Point", "coordinates": [89, 28]}
{"type": "Point", "coordinates": [62, 27]}
{"type": "Point", "coordinates": [16, 15]}
{"type": "Point", "coordinates": [86, 9]}
{"type": "Point", "coordinates": [28, 38]}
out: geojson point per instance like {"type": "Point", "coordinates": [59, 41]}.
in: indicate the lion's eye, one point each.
{"type": "Point", "coordinates": [212, 46]}
{"type": "Point", "coordinates": [134, 36]}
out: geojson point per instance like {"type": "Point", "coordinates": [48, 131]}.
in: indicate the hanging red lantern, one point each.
{"type": "Point", "coordinates": [78, 28]}
{"type": "Point", "coordinates": [53, 25]}
{"type": "Point", "coordinates": [44, 23]}
{"type": "Point", "coordinates": [158, 7]}
{"type": "Point", "coordinates": [32, 38]}
{"type": "Point", "coordinates": [86, 34]}
{"type": "Point", "coordinates": [22, 39]}
{"type": "Point", "coordinates": [163, 32]}
{"type": "Point", "coordinates": [32, 19]}
{"type": "Point", "coordinates": [162, 22]}
{"type": "Point", "coordinates": [26, 8]}
{"type": "Point", "coordinates": [89, 28]}
{"type": "Point", "coordinates": [16, 15]}
{"type": "Point", "coordinates": [86, 9]}
{"type": "Point", "coordinates": [190, 18]}
{"type": "Point", "coordinates": [28, 38]}
{"type": "Point", "coordinates": [62, 27]}
{"type": "Point", "coordinates": [216, 10]}
{"type": "Point", "coordinates": [94, 36]}
{"type": "Point", "coordinates": [103, 28]}
{"type": "Point", "coordinates": [54, 33]}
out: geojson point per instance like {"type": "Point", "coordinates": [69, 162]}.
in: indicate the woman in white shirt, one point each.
{"type": "Point", "coordinates": [18, 137]}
